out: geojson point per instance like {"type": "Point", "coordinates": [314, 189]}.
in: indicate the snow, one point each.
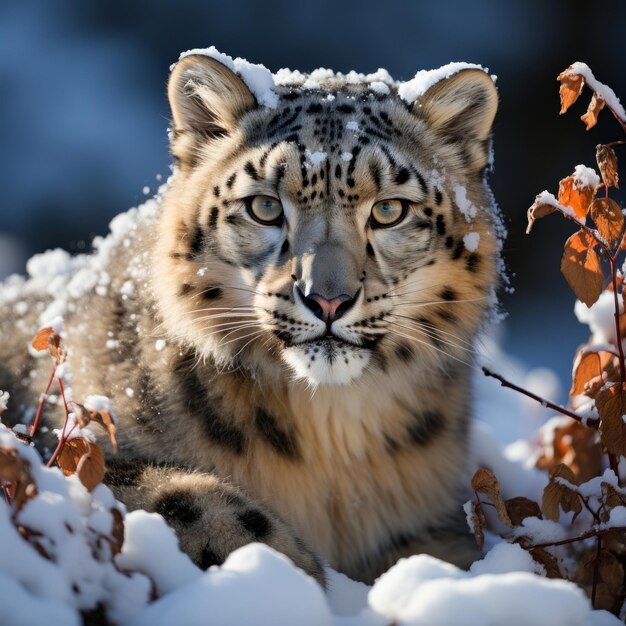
{"type": "Point", "coordinates": [600, 318]}
{"type": "Point", "coordinates": [159, 344]}
{"type": "Point", "coordinates": [315, 158]}
{"type": "Point", "coordinates": [471, 241]}
{"type": "Point", "coordinates": [585, 177]}
{"type": "Point", "coordinates": [99, 403]}
{"type": "Point", "coordinates": [603, 91]}
{"type": "Point", "coordinates": [257, 77]}
{"type": "Point", "coordinates": [411, 90]}
{"type": "Point", "coordinates": [346, 156]}
{"type": "Point", "coordinates": [466, 207]}
{"type": "Point", "coordinates": [352, 125]}
{"type": "Point", "coordinates": [4, 401]}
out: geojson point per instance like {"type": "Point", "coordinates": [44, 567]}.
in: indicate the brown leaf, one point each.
{"type": "Point", "coordinates": [11, 464]}
{"type": "Point", "coordinates": [40, 341]}
{"type": "Point", "coordinates": [71, 453]}
{"type": "Point", "coordinates": [608, 218]}
{"type": "Point", "coordinates": [105, 419]}
{"type": "Point", "coordinates": [538, 210]}
{"type": "Point", "coordinates": [576, 196]}
{"type": "Point", "coordinates": [590, 118]}
{"type": "Point", "coordinates": [581, 267]}
{"type": "Point", "coordinates": [118, 532]}
{"type": "Point", "coordinates": [587, 367]}
{"type": "Point", "coordinates": [611, 571]}
{"type": "Point", "coordinates": [612, 497]}
{"type": "Point", "coordinates": [610, 404]}
{"type": "Point", "coordinates": [485, 482]}
{"type": "Point", "coordinates": [90, 468]}
{"type": "Point", "coordinates": [577, 447]}
{"type": "Point", "coordinates": [519, 508]}
{"type": "Point", "coordinates": [548, 561]}
{"type": "Point", "coordinates": [607, 163]}
{"type": "Point", "coordinates": [478, 523]}
{"type": "Point", "coordinates": [570, 89]}
{"type": "Point", "coordinates": [557, 493]}
{"type": "Point", "coordinates": [15, 472]}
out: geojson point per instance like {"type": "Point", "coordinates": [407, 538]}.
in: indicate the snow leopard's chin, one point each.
{"type": "Point", "coordinates": [327, 362]}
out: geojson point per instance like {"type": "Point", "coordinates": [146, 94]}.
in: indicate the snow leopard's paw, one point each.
{"type": "Point", "coordinates": [212, 518]}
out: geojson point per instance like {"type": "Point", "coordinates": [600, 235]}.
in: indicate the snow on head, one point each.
{"type": "Point", "coordinates": [257, 77]}
{"type": "Point", "coordinates": [412, 89]}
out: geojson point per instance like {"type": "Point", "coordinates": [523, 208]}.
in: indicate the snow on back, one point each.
{"type": "Point", "coordinates": [412, 89]}
{"type": "Point", "coordinates": [604, 91]}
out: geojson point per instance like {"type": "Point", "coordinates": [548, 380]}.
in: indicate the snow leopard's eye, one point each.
{"type": "Point", "coordinates": [265, 210]}
{"type": "Point", "coordinates": [388, 213]}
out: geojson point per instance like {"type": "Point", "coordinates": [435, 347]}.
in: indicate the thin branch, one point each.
{"type": "Point", "coordinates": [594, 532]}
{"type": "Point", "coordinates": [596, 567]}
{"type": "Point", "coordinates": [590, 422]}
{"type": "Point", "coordinates": [42, 399]}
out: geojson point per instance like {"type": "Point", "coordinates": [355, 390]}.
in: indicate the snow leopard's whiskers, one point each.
{"type": "Point", "coordinates": [433, 333]}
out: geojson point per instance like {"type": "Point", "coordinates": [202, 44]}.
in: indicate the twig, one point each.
{"type": "Point", "coordinates": [596, 567]}
{"type": "Point", "coordinates": [594, 532]}
{"type": "Point", "coordinates": [42, 399]}
{"type": "Point", "coordinates": [590, 422]}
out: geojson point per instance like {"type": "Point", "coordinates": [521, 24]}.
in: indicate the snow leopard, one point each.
{"type": "Point", "coordinates": [287, 340]}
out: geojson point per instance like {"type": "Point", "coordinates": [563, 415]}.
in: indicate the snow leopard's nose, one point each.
{"type": "Point", "coordinates": [327, 310]}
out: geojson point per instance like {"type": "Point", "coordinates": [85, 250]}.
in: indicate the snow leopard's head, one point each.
{"type": "Point", "coordinates": [326, 227]}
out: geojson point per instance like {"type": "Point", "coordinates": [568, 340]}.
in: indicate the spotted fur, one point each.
{"type": "Point", "coordinates": [260, 421]}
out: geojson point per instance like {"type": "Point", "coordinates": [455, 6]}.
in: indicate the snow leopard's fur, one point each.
{"type": "Point", "coordinates": [244, 416]}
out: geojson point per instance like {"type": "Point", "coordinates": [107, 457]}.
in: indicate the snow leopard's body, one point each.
{"type": "Point", "coordinates": [245, 412]}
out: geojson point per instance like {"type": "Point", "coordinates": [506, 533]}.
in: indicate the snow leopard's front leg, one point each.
{"type": "Point", "coordinates": [210, 517]}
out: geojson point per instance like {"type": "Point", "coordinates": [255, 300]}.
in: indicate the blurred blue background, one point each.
{"type": "Point", "coordinates": [84, 113]}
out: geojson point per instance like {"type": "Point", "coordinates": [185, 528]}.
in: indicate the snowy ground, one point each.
{"type": "Point", "coordinates": [257, 585]}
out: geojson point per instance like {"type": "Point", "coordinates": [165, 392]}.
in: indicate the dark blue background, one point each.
{"type": "Point", "coordinates": [84, 113]}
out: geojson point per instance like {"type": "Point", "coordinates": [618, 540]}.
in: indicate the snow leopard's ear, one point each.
{"type": "Point", "coordinates": [207, 100]}
{"type": "Point", "coordinates": [461, 110]}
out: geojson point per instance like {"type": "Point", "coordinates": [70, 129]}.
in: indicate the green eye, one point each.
{"type": "Point", "coordinates": [387, 213]}
{"type": "Point", "coordinates": [265, 210]}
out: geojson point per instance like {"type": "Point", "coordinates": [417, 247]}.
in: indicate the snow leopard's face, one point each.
{"type": "Point", "coordinates": [337, 232]}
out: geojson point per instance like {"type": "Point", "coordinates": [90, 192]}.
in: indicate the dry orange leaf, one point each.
{"type": "Point", "coordinates": [90, 468]}
{"type": "Point", "coordinates": [117, 533]}
{"type": "Point", "coordinates": [40, 341]}
{"type": "Point", "coordinates": [84, 416]}
{"type": "Point", "coordinates": [538, 210]}
{"type": "Point", "coordinates": [590, 118]}
{"type": "Point", "coordinates": [570, 89]}
{"type": "Point", "coordinates": [558, 493]}
{"type": "Point", "coordinates": [610, 404]}
{"type": "Point", "coordinates": [83, 458]}
{"type": "Point", "coordinates": [608, 218]}
{"type": "Point", "coordinates": [576, 196]}
{"type": "Point", "coordinates": [581, 267]}
{"type": "Point", "coordinates": [587, 372]}
{"type": "Point", "coordinates": [607, 164]}
{"type": "Point", "coordinates": [485, 482]}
